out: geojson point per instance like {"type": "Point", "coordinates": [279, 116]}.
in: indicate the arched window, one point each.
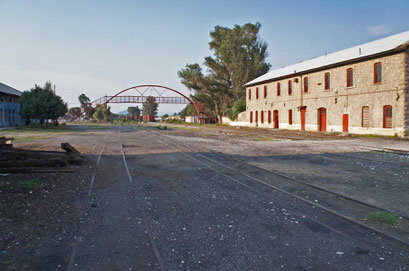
{"type": "Point", "coordinates": [278, 89]}
{"type": "Point", "coordinates": [265, 92]}
{"type": "Point", "coordinates": [327, 81]}
{"type": "Point", "coordinates": [256, 93]}
{"type": "Point", "coordinates": [387, 116]}
{"type": "Point", "coordinates": [251, 116]}
{"type": "Point", "coordinates": [249, 93]}
{"type": "Point", "coordinates": [262, 116]}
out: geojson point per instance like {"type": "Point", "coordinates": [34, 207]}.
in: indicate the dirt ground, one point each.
{"type": "Point", "coordinates": [60, 223]}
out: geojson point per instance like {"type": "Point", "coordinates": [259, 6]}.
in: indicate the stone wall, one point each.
{"type": "Point", "coordinates": [406, 111]}
{"type": "Point", "coordinates": [338, 99]}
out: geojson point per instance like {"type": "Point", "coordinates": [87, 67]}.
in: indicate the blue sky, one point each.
{"type": "Point", "coordinates": [101, 47]}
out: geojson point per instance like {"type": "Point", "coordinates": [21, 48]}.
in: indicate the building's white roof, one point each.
{"type": "Point", "coordinates": [9, 90]}
{"type": "Point", "coordinates": [367, 49]}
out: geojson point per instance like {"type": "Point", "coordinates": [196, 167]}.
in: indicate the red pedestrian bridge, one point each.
{"type": "Point", "coordinates": [145, 94]}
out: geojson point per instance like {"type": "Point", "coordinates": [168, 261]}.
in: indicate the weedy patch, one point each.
{"type": "Point", "coordinates": [30, 183]}
{"type": "Point", "coordinates": [189, 129]}
{"type": "Point", "coordinates": [161, 127]}
{"type": "Point", "coordinates": [384, 217]}
{"type": "Point", "coordinates": [29, 138]}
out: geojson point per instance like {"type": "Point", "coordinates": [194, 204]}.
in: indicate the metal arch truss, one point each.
{"type": "Point", "coordinates": [159, 93]}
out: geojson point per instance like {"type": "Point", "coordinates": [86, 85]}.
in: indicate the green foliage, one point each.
{"type": "Point", "coordinates": [30, 183]}
{"type": "Point", "coordinates": [187, 111]}
{"type": "Point", "coordinates": [42, 103]}
{"type": "Point", "coordinates": [134, 112]}
{"type": "Point", "coordinates": [164, 117]}
{"type": "Point", "coordinates": [384, 217]}
{"type": "Point", "coordinates": [83, 99]}
{"type": "Point", "coordinates": [99, 113]}
{"type": "Point", "coordinates": [150, 107]}
{"type": "Point", "coordinates": [237, 107]}
{"type": "Point", "coordinates": [239, 56]}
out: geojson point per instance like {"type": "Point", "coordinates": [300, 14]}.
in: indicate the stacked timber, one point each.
{"type": "Point", "coordinates": [13, 160]}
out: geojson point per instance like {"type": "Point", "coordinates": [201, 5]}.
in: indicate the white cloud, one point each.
{"type": "Point", "coordinates": [378, 30]}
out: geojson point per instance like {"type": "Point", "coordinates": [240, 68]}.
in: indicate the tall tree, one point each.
{"type": "Point", "coordinates": [150, 107]}
{"type": "Point", "coordinates": [42, 103]}
{"type": "Point", "coordinates": [239, 56]}
{"type": "Point", "coordinates": [134, 112]}
{"type": "Point", "coordinates": [84, 100]}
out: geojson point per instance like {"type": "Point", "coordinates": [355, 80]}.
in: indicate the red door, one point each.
{"type": "Point", "coordinates": [303, 118]}
{"type": "Point", "coordinates": [275, 114]}
{"type": "Point", "coordinates": [256, 118]}
{"type": "Point", "coordinates": [322, 119]}
{"type": "Point", "coordinates": [345, 123]}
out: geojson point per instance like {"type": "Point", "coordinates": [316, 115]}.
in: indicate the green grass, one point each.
{"type": "Point", "coordinates": [161, 127]}
{"type": "Point", "coordinates": [8, 262]}
{"type": "Point", "coordinates": [29, 183]}
{"type": "Point", "coordinates": [29, 138]}
{"type": "Point", "coordinates": [384, 217]}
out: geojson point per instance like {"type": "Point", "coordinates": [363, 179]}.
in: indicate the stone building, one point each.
{"type": "Point", "coordinates": [9, 106]}
{"type": "Point", "coordinates": [362, 90]}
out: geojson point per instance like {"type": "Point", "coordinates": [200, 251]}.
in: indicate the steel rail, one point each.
{"type": "Point", "coordinates": [344, 217]}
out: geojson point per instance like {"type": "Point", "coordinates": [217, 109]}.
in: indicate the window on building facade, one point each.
{"type": "Point", "coordinates": [387, 116]}
{"type": "Point", "coordinates": [262, 116]}
{"type": "Point", "coordinates": [366, 117]}
{"type": "Point", "coordinates": [256, 93]}
{"type": "Point", "coordinates": [290, 116]}
{"type": "Point", "coordinates": [305, 84]}
{"type": "Point", "coordinates": [350, 77]}
{"type": "Point", "coordinates": [251, 116]}
{"type": "Point", "coordinates": [327, 81]}
{"type": "Point", "coordinates": [269, 116]}
{"type": "Point", "coordinates": [265, 92]}
{"type": "Point", "coordinates": [290, 87]}
{"type": "Point", "coordinates": [250, 94]}
{"type": "Point", "coordinates": [278, 89]}
{"type": "Point", "coordinates": [378, 72]}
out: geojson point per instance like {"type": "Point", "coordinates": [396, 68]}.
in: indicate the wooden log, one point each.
{"type": "Point", "coordinates": [38, 170]}
{"type": "Point", "coordinates": [70, 149]}
{"type": "Point", "coordinates": [21, 154]}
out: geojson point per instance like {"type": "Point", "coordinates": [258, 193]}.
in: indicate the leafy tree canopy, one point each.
{"type": "Point", "coordinates": [134, 111]}
{"type": "Point", "coordinates": [239, 56]}
{"type": "Point", "coordinates": [83, 99]}
{"type": "Point", "coordinates": [42, 103]}
{"type": "Point", "coordinates": [150, 107]}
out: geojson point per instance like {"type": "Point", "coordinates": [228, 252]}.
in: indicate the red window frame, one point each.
{"type": "Point", "coordinates": [290, 116]}
{"type": "Point", "coordinates": [249, 93]}
{"type": "Point", "coordinates": [387, 124]}
{"type": "Point", "coordinates": [265, 92]}
{"type": "Point", "coordinates": [327, 78]}
{"type": "Point", "coordinates": [256, 93]}
{"type": "Point", "coordinates": [262, 116]}
{"type": "Point", "coordinates": [377, 75]}
{"type": "Point", "coordinates": [350, 77]}
{"type": "Point", "coordinates": [269, 116]}
{"type": "Point", "coordinates": [278, 89]}
{"type": "Point", "coordinates": [290, 87]}
{"type": "Point", "coordinates": [305, 84]}
{"type": "Point", "coordinates": [251, 116]}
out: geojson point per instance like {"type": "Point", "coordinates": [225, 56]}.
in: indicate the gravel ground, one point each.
{"type": "Point", "coordinates": [177, 214]}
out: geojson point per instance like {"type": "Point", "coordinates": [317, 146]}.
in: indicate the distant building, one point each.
{"type": "Point", "coordinates": [362, 90]}
{"type": "Point", "coordinates": [9, 107]}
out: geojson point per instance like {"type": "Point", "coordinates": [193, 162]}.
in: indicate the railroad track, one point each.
{"type": "Point", "coordinates": [347, 208]}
